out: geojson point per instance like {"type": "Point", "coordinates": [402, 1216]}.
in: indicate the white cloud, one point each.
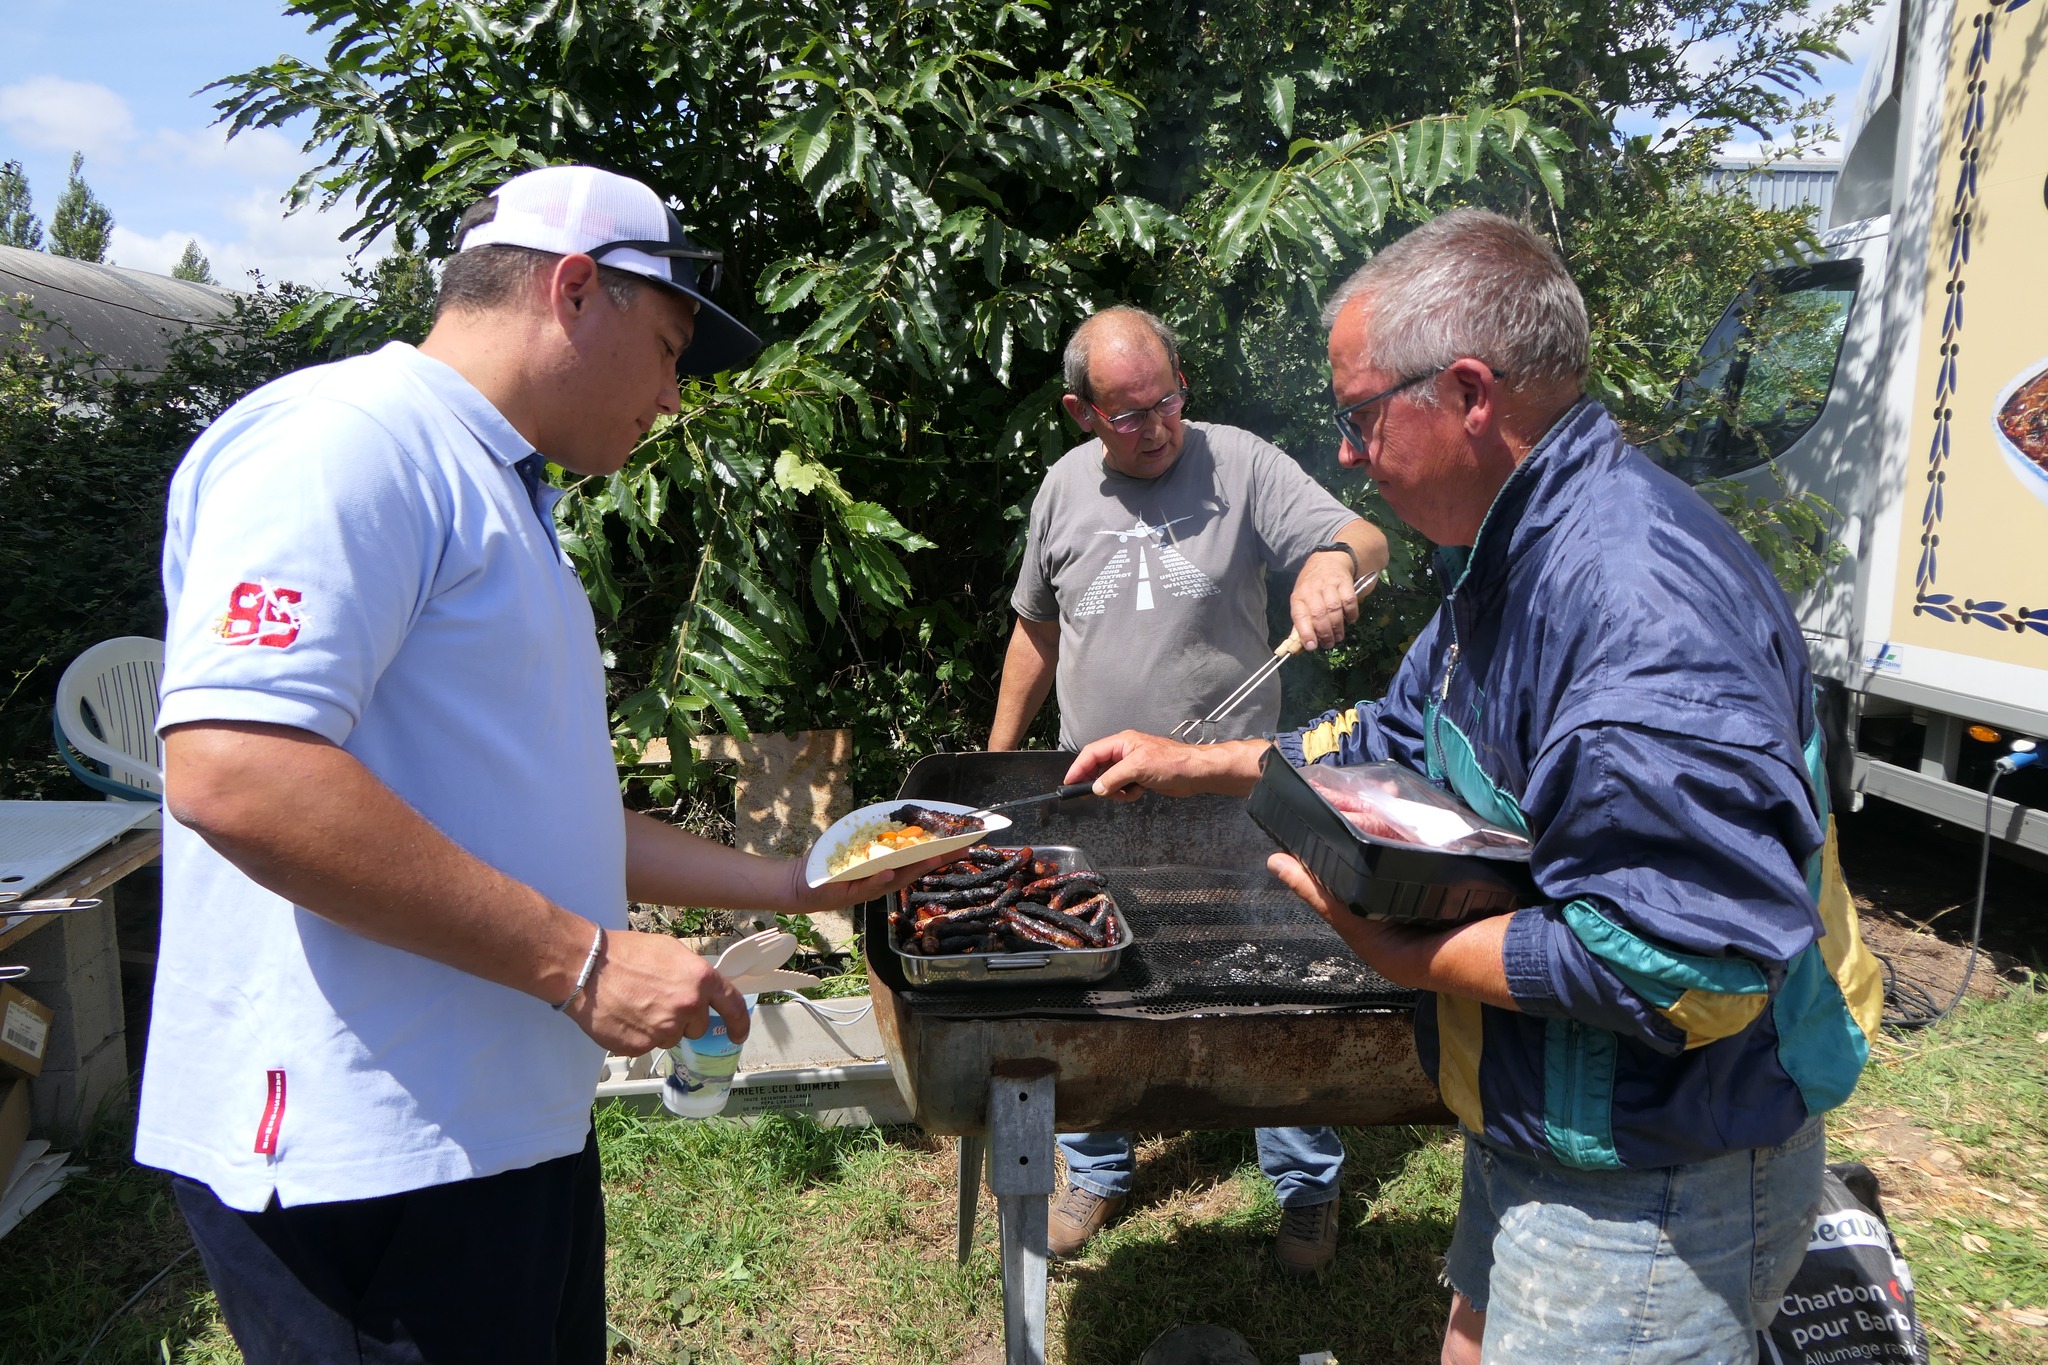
{"type": "Point", "coordinates": [257, 154]}
{"type": "Point", "coordinates": [57, 115]}
{"type": "Point", "coordinates": [305, 248]}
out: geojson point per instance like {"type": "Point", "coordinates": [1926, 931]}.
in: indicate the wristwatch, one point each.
{"type": "Point", "coordinates": [1339, 545]}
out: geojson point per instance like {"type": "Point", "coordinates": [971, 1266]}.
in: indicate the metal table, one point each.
{"type": "Point", "coordinates": [1003, 1068]}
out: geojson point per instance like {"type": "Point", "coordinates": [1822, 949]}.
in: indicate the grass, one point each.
{"type": "Point", "coordinates": [782, 1243]}
{"type": "Point", "coordinates": [1955, 1122]}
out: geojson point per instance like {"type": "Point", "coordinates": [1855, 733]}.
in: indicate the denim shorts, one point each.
{"type": "Point", "coordinates": [1674, 1263]}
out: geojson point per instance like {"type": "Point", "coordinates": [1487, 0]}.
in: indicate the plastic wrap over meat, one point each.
{"type": "Point", "coordinates": [1388, 802]}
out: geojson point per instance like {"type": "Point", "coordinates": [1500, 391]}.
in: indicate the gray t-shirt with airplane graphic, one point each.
{"type": "Point", "coordinates": [1159, 585]}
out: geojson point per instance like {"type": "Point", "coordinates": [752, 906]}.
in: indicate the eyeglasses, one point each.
{"type": "Point", "coordinates": [1129, 423]}
{"type": "Point", "coordinates": [1352, 431]}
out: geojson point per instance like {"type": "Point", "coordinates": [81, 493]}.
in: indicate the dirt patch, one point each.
{"type": "Point", "coordinates": [1918, 873]}
{"type": "Point", "coordinates": [1935, 964]}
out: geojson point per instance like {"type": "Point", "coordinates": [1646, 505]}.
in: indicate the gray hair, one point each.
{"type": "Point", "coordinates": [1471, 283]}
{"type": "Point", "coordinates": [1081, 344]}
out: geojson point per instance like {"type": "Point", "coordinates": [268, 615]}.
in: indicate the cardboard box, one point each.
{"type": "Point", "coordinates": [24, 1032]}
{"type": "Point", "coordinates": [13, 1125]}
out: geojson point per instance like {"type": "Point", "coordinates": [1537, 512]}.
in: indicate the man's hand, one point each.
{"type": "Point", "coordinates": [805, 899]}
{"type": "Point", "coordinates": [1130, 763]}
{"type": "Point", "coordinates": [650, 991]}
{"type": "Point", "coordinates": [1464, 960]}
{"type": "Point", "coordinates": [1324, 603]}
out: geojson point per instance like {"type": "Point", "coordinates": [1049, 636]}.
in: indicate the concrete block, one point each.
{"type": "Point", "coordinates": [64, 1100]}
{"type": "Point", "coordinates": [75, 968]}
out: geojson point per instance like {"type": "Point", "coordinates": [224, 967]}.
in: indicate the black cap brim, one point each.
{"type": "Point", "coordinates": [720, 342]}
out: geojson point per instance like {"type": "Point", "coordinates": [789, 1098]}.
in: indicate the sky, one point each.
{"type": "Point", "coordinates": [118, 80]}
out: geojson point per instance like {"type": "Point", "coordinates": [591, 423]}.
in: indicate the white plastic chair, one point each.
{"type": "Point", "coordinates": [106, 712]}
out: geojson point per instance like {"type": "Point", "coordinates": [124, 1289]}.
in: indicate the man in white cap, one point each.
{"type": "Point", "coordinates": [396, 865]}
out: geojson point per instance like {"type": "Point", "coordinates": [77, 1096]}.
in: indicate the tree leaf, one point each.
{"type": "Point", "coordinates": [1279, 100]}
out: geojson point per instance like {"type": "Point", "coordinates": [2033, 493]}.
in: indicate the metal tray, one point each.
{"type": "Point", "coordinates": [1023, 969]}
{"type": "Point", "coordinates": [1376, 878]}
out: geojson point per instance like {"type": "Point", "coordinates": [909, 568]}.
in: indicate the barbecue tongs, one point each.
{"type": "Point", "coordinates": [1286, 650]}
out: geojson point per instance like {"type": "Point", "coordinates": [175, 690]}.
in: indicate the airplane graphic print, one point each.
{"type": "Point", "coordinates": [1178, 577]}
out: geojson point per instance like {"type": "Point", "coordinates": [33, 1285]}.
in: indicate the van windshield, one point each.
{"type": "Point", "coordinates": [1764, 372]}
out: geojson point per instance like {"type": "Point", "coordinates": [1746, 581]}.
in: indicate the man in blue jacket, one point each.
{"type": "Point", "coordinates": [1639, 1060]}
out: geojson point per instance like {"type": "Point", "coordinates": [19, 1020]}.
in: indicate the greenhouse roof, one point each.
{"type": "Point", "coordinates": [125, 318]}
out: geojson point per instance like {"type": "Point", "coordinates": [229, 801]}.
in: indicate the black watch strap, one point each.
{"type": "Point", "coordinates": [1339, 545]}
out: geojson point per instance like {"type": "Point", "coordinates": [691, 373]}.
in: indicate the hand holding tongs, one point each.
{"type": "Point", "coordinates": [1286, 650]}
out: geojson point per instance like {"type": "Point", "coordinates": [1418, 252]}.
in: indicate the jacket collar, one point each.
{"type": "Point", "coordinates": [1528, 503]}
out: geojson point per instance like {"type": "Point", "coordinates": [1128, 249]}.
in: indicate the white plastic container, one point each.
{"type": "Point", "coordinates": [701, 1071]}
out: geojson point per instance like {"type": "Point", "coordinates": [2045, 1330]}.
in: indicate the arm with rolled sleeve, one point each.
{"type": "Point", "coordinates": [1674, 861]}
{"type": "Point", "coordinates": [1371, 731]}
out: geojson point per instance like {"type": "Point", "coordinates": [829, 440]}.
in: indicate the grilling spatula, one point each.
{"type": "Point", "coordinates": [1066, 793]}
{"type": "Point", "coordinates": [1286, 650]}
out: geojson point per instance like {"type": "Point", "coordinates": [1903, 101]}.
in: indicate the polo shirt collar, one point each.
{"type": "Point", "coordinates": [462, 398]}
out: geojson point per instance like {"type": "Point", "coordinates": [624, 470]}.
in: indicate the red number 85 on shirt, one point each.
{"type": "Point", "coordinates": [259, 614]}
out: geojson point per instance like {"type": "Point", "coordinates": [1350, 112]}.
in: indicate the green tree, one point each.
{"type": "Point", "coordinates": [81, 226]}
{"type": "Point", "coordinates": [192, 265]}
{"type": "Point", "coordinates": [918, 201]}
{"type": "Point", "coordinates": [19, 225]}
{"type": "Point", "coordinates": [86, 454]}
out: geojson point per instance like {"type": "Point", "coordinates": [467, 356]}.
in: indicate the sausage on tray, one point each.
{"type": "Point", "coordinates": [995, 900]}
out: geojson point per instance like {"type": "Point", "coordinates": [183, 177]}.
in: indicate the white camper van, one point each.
{"type": "Point", "coordinates": [1902, 374]}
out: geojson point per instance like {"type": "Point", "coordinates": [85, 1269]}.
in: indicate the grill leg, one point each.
{"type": "Point", "coordinates": [972, 1152]}
{"type": "Point", "coordinates": [1024, 1232]}
{"type": "Point", "coordinates": [1020, 1157]}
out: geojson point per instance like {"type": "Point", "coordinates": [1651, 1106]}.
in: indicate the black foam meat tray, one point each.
{"type": "Point", "coordinates": [1378, 878]}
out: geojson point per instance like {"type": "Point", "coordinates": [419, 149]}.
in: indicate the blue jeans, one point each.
{"type": "Point", "coordinates": [1676, 1263]}
{"type": "Point", "coordinates": [1302, 1163]}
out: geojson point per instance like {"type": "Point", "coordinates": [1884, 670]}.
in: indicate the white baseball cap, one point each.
{"type": "Point", "coordinates": [623, 224]}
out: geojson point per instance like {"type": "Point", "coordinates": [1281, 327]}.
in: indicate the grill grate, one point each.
{"type": "Point", "coordinates": [1205, 941]}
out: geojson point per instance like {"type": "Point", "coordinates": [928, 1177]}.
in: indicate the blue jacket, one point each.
{"type": "Point", "coordinates": [1616, 673]}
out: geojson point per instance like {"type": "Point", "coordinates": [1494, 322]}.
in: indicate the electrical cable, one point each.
{"type": "Point", "coordinates": [115, 1316]}
{"type": "Point", "coordinates": [1908, 1005]}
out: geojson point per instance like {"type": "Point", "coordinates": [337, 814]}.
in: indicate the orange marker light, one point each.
{"type": "Point", "coordinates": [1983, 734]}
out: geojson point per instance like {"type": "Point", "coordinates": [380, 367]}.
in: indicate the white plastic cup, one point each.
{"type": "Point", "coordinates": [701, 1071]}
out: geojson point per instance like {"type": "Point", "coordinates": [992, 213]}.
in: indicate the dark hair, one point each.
{"type": "Point", "coordinates": [487, 277]}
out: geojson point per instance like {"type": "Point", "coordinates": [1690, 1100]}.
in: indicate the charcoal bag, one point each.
{"type": "Point", "coordinates": [1852, 1300]}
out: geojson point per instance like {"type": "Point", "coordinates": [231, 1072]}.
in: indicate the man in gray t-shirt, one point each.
{"type": "Point", "coordinates": [1158, 586]}
{"type": "Point", "coordinates": [1143, 592]}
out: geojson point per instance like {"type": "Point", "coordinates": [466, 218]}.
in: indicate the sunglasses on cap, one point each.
{"type": "Point", "coordinates": [705, 277]}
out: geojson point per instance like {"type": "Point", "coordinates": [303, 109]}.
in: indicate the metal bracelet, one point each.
{"type": "Point", "coordinates": [589, 969]}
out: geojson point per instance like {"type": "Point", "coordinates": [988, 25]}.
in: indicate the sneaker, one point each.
{"type": "Point", "coordinates": [1308, 1238]}
{"type": "Point", "coordinates": [1078, 1215]}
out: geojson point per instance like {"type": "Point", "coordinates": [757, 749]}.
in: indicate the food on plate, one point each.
{"type": "Point", "coordinates": [1002, 900]}
{"type": "Point", "coordinates": [2024, 419]}
{"type": "Point", "coordinates": [911, 825]}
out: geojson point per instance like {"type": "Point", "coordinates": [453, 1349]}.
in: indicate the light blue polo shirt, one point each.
{"type": "Point", "coordinates": [351, 551]}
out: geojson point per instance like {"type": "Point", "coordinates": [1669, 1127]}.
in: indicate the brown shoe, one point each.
{"type": "Point", "coordinates": [1308, 1238]}
{"type": "Point", "coordinates": [1078, 1215]}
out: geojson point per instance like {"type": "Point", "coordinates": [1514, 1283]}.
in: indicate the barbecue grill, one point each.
{"type": "Point", "coordinates": [1234, 1006]}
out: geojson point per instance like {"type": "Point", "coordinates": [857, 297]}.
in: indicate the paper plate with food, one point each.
{"type": "Point", "coordinates": [893, 834]}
